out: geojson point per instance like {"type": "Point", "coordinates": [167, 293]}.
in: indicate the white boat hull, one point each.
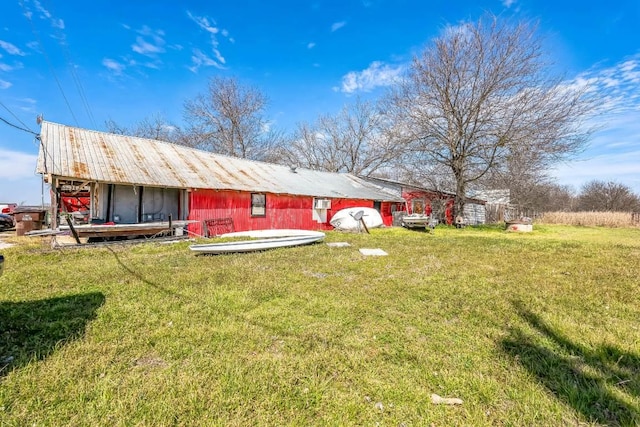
{"type": "Point", "coordinates": [268, 234]}
{"type": "Point", "coordinates": [278, 239]}
{"type": "Point", "coordinates": [345, 220]}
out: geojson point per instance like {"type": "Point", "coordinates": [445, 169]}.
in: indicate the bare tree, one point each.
{"type": "Point", "coordinates": [556, 198]}
{"type": "Point", "coordinates": [356, 140]}
{"type": "Point", "coordinates": [542, 195]}
{"type": "Point", "coordinates": [153, 127]}
{"type": "Point", "coordinates": [481, 94]}
{"type": "Point", "coordinates": [607, 196]}
{"type": "Point", "coordinates": [529, 184]}
{"type": "Point", "coordinates": [228, 119]}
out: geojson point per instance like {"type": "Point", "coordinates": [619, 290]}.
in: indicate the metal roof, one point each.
{"type": "Point", "coordinates": [397, 187]}
{"type": "Point", "coordinates": [87, 155]}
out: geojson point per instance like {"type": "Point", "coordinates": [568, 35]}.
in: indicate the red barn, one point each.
{"type": "Point", "coordinates": [129, 180]}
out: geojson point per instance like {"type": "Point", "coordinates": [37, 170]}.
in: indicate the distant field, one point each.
{"type": "Point", "coordinates": [595, 219]}
{"type": "Point", "coordinates": [526, 329]}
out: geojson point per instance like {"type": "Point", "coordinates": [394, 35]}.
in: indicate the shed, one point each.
{"type": "Point", "coordinates": [438, 203]}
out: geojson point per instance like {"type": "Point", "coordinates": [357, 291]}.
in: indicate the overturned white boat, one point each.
{"type": "Point", "coordinates": [351, 219]}
{"type": "Point", "coordinates": [260, 240]}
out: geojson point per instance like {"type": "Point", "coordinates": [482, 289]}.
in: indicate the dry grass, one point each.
{"type": "Point", "coordinates": [596, 219]}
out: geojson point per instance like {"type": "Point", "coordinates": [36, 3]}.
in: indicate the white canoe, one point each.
{"type": "Point", "coordinates": [345, 219]}
{"type": "Point", "coordinates": [258, 244]}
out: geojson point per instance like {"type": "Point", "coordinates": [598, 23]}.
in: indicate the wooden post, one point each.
{"type": "Point", "coordinates": [72, 228]}
{"type": "Point", "coordinates": [364, 225]}
{"type": "Point", "coordinates": [53, 181]}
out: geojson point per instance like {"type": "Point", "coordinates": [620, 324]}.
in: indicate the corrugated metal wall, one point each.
{"type": "Point", "coordinates": [474, 213]}
{"type": "Point", "coordinates": [232, 210]}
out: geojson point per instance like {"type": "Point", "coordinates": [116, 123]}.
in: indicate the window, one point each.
{"type": "Point", "coordinates": [258, 204]}
{"type": "Point", "coordinates": [417, 206]}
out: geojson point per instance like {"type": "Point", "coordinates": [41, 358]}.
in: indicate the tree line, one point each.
{"type": "Point", "coordinates": [479, 108]}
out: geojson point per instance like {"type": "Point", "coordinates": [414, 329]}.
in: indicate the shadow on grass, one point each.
{"type": "Point", "coordinates": [34, 329]}
{"type": "Point", "coordinates": [600, 383]}
{"type": "Point", "coordinates": [140, 276]}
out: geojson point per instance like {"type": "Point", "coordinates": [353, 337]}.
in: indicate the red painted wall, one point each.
{"type": "Point", "coordinates": [231, 211]}
{"type": "Point", "coordinates": [428, 196]}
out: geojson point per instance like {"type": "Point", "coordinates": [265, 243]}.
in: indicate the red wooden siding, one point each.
{"type": "Point", "coordinates": [231, 211]}
{"type": "Point", "coordinates": [428, 197]}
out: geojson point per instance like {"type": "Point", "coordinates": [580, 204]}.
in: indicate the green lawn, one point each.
{"type": "Point", "coordinates": [527, 329]}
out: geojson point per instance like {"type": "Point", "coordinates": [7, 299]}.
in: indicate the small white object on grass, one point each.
{"type": "Point", "coordinates": [338, 244]}
{"type": "Point", "coordinates": [373, 252]}
{"type": "Point", "coordinates": [445, 400]}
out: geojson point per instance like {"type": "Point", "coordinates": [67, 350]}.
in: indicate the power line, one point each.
{"type": "Point", "coordinates": [27, 14]}
{"type": "Point", "coordinates": [18, 127]}
{"type": "Point", "coordinates": [14, 116]}
{"type": "Point", "coordinates": [62, 41]}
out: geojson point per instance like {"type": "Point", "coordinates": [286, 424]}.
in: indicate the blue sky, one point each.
{"type": "Point", "coordinates": [82, 63]}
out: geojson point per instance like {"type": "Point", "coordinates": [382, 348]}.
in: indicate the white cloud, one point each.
{"type": "Point", "coordinates": [58, 23]}
{"type": "Point", "coordinates": [153, 65]}
{"type": "Point", "coordinates": [199, 59]}
{"type": "Point", "coordinates": [337, 25]}
{"type": "Point", "coordinates": [45, 14]}
{"type": "Point", "coordinates": [204, 23]}
{"type": "Point", "coordinates": [34, 45]}
{"type": "Point", "coordinates": [617, 87]}
{"type": "Point", "coordinates": [11, 49]}
{"type": "Point", "coordinates": [114, 66]}
{"type": "Point", "coordinates": [219, 56]}
{"type": "Point", "coordinates": [377, 74]}
{"type": "Point", "coordinates": [18, 181]}
{"type": "Point", "coordinates": [5, 84]}
{"type": "Point", "coordinates": [15, 165]}
{"type": "Point", "coordinates": [29, 105]}
{"type": "Point", "coordinates": [152, 47]}
{"type": "Point", "coordinates": [623, 167]}
{"type": "Point", "coordinates": [143, 47]}
{"type": "Point", "coordinates": [612, 154]}
{"type": "Point", "coordinates": [508, 3]}
{"type": "Point", "coordinates": [311, 45]}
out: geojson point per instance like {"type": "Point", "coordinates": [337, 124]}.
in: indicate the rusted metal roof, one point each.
{"type": "Point", "coordinates": [397, 187]}
{"type": "Point", "coordinates": [87, 155]}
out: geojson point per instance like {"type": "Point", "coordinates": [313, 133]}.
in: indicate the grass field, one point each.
{"type": "Point", "coordinates": [592, 219]}
{"type": "Point", "coordinates": [527, 329]}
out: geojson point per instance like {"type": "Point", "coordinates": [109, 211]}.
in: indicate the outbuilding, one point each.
{"type": "Point", "coordinates": [421, 200]}
{"type": "Point", "coordinates": [117, 179]}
